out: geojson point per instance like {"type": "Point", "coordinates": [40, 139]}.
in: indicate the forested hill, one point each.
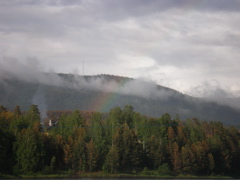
{"type": "Point", "coordinates": [103, 92]}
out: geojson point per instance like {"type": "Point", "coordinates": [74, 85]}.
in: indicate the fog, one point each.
{"type": "Point", "coordinates": [214, 91]}
{"type": "Point", "coordinates": [31, 71]}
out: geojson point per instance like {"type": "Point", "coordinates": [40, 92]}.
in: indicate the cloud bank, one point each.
{"type": "Point", "coordinates": [31, 73]}
{"type": "Point", "coordinates": [176, 43]}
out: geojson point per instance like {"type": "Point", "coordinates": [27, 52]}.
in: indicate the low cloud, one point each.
{"type": "Point", "coordinates": [214, 91]}
{"type": "Point", "coordinates": [210, 89]}
{"type": "Point", "coordinates": [30, 71]}
{"type": "Point", "coordinates": [11, 68]}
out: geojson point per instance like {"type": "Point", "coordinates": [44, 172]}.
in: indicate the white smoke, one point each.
{"type": "Point", "coordinates": [39, 100]}
{"type": "Point", "coordinates": [30, 71]}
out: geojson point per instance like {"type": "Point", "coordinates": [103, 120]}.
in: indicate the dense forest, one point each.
{"type": "Point", "coordinates": [119, 141]}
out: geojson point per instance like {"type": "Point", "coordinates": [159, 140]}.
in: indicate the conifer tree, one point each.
{"type": "Point", "coordinates": [98, 136]}
{"type": "Point", "coordinates": [92, 156]}
{"type": "Point", "coordinates": [30, 151]}
{"type": "Point", "coordinates": [111, 164]}
{"type": "Point", "coordinates": [17, 111]}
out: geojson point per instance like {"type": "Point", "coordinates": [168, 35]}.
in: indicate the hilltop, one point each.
{"type": "Point", "coordinates": [104, 92]}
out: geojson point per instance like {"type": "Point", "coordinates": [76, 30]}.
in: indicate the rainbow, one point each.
{"type": "Point", "coordinates": [104, 100]}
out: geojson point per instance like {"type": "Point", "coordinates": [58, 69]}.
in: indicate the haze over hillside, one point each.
{"type": "Point", "coordinates": [189, 45]}
{"type": "Point", "coordinates": [51, 91]}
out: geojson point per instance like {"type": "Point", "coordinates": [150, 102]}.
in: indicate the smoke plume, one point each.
{"type": "Point", "coordinates": [39, 100]}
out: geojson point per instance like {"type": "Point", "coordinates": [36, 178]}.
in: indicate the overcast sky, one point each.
{"type": "Point", "coordinates": [189, 45]}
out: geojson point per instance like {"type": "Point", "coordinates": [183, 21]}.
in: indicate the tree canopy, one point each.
{"type": "Point", "coordinates": [121, 141]}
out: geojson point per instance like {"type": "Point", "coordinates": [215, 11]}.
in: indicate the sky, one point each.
{"type": "Point", "coordinates": [192, 46]}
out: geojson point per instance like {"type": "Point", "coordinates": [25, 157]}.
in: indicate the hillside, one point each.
{"type": "Point", "coordinates": [104, 92]}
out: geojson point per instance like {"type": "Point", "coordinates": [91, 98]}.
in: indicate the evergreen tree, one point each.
{"type": "Point", "coordinates": [155, 153]}
{"type": "Point", "coordinates": [189, 164]}
{"type": "Point", "coordinates": [30, 152]}
{"type": "Point", "coordinates": [128, 115]}
{"type": "Point", "coordinates": [98, 136]}
{"type": "Point", "coordinates": [114, 121]}
{"type": "Point", "coordinates": [119, 142]}
{"type": "Point", "coordinates": [17, 111]}
{"type": "Point", "coordinates": [33, 113]}
{"type": "Point", "coordinates": [111, 164]}
{"type": "Point", "coordinates": [92, 156]}
{"type": "Point", "coordinates": [128, 148]}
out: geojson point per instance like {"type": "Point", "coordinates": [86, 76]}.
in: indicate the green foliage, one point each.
{"type": "Point", "coordinates": [128, 115]}
{"type": "Point", "coordinates": [33, 113]}
{"type": "Point", "coordinates": [121, 141]}
{"type": "Point", "coordinates": [164, 169]}
{"type": "Point", "coordinates": [68, 124]}
{"type": "Point", "coordinates": [111, 164]}
{"type": "Point", "coordinates": [97, 134]}
{"type": "Point", "coordinates": [30, 151]}
{"type": "Point", "coordinates": [147, 172]}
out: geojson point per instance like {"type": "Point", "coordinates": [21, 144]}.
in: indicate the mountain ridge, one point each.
{"type": "Point", "coordinates": [103, 92]}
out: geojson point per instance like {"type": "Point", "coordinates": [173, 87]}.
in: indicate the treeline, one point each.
{"type": "Point", "coordinates": [121, 141]}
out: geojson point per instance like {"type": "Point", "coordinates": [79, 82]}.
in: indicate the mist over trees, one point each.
{"type": "Point", "coordinates": [119, 141]}
{"type": "Point", "coordinates": [51, 91]}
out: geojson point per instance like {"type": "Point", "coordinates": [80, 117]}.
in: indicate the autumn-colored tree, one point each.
{"type": "Point", "coordinates": [176, 158]}
{"type": "Point", "coordinates": [171, 136]}
{"type": "Point", "coordinates": [68, 153]}
{"type": "Point", "coordinates": [116, 142]}
{"type": "Point", "coordinates": [181, 136]}
{"type": "Point", "coordinates": [200, 150]}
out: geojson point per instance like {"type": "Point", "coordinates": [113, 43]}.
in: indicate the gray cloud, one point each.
{"type": "Point", "coordinates": [210, 89]}
{"type": "Point", "coordinates": [214, 91]}
{"type": "Point", "coordinates": [30, 71]}
{"type": "Point", "coordinates": [178, 43]}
